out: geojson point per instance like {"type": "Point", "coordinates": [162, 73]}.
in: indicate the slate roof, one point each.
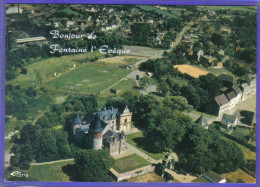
{"type": "Point", "coordinates": [85, 128]}
{"type": "Point", "coordinates": [231, 95]}
{"type": "Point", "coordinates": [96, 127]}
{"type": "Point", "coordinates": [221, 100]}
{"type": "Point", "coordinates": [108, 114]}
{"type": "Point", "coordinates": [77, 120]}
{"type": "Point", "coordinates": [212, 176]}
{"type": "Point", "coordinates": [202, 121]}
{"type": "Point", "coordinates": [227, 78]}
{"type": "Point", "coordinates": [111, 136]}
{"type": "Point", "coordinates": [228, 117]}
{"type": "Point", "coordinates": [236, 89]}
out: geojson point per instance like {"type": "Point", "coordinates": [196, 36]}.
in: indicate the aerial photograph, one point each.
{"type": "Point", "coordinates": [130, 93]}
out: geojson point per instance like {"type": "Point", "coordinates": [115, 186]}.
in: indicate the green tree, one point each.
{"type": "Point", "coordinates": [94, 165]}
{"type": "Point", "coordinates": [176, 103]}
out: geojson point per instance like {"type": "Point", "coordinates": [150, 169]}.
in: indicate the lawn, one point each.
{"type": "Point", "coordinates": [239, 174]}
{"type": "Point", "coordinates": [49, 172]}
{"type": "Point", "coordinates": [159, 11]}
{"type": "Point", "coordinates": [89, 78]}
{"type": "Point", "coordinates": [233, 8]}
{"type": "Point", "coordinates": [122, 86]}
{"type": "Point", "coordinates": [131, 138]}
{"type": "Point", "coordinates": [44, 69]}
{"type": "Point", "coordinates": [129, 163]}
{"type": "Point", "coordinates": [125, 85]}
{"type": "Point", "coordinates": [217, 71]}
{"type": "Point", "coordinates": [242, 134]}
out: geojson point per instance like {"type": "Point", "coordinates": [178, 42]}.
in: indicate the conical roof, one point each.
{"type": "Point", "coordinates": [97, 124]}
{"type": "Point", "coordinates": [77, 120]}
{"type": "Point", "coordinates": [202, 121]}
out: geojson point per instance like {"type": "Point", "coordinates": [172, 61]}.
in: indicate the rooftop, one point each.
{"type": "Point", "coordinates": [221, 100]}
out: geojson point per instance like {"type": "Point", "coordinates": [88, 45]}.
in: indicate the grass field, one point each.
{"type": "Point", "coordinates": [119, 60]}
{"type": "Point", "coordinates": [45, 68]}
{"type": "Point", "coordinates": [233, 8]}
{"type": "Point", "coordinates": [49, 172]}
{"type": "Point", "coordinates": [239, 174]}
{"type": "Point", "coordinates": [191, 70]}
{"type": "Point", "coordinates": [90, 78]}
{"type": "Point", "coordinates": [132, 141]}
{"type": "Point", "coordinates": [144, 51]}
{"type": "Point", "coordinates": [129, 163]}
{"type": "Point", "coordinates": [159, 11]}
{"type": "Point", "coordinates": [201, 180]}
{"type": "Point", "coordinates": [242, 134]}
{"type": "Point", "coordinates": [217, 71]}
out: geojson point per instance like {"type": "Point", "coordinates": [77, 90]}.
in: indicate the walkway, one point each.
{"type": "Point", "coordinates": [182, 178]}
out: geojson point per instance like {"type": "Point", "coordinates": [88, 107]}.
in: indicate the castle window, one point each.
{"type": "Point", "coordinates": [125, 120]}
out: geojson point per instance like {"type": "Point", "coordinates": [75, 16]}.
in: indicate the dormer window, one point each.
{"type": "Point", "coordinates": [104, 117]}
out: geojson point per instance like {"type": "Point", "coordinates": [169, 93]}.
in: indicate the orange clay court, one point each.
{"type": "Point", "coordinates": [191, 70]}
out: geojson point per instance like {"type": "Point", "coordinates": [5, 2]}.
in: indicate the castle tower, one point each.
{"type": "Point", "coordinates": [97, 133]}
{"type": "Point", "coordinates": [76, 124]}
{"type": "Point", "coordinates": [125, 120]}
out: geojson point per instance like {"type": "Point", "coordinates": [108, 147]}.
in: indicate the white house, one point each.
{"type": "Point", "coordinates": [231, 120]}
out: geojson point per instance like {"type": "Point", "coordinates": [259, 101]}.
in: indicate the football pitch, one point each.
{"type": "Point", "coordinates": [89, 78]}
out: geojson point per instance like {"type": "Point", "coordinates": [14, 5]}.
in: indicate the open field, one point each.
{"type": "Point", "coordinates": [129, 163]}
{"type": "Point", "coordinates": [131, 139]}
{"type": "Point", "coordinates": [239, 174]}
{"type": "Point", "coordinates": [233, 8]}
{"type": "Point", "coordinates": [148, 177]}
{"type": "Point", "coordinates": [191, 70]}
{"type": "Point", "coordinates": [49, 172]}
{"type": "Point", "coordinates": [144, 51]}
{"type": "Point", "coordinates": [119, 60]}
{"type": "Point", "coordinates": [45, 68]}
{"type": "Point", "coordinates": [217, 71]}
{"type": "Point", "coordinates": [90, 78]}
{"type": "Point", "coordinates": [158, 10]}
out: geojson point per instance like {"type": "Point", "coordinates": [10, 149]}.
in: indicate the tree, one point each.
{"type": "Point", "coordinates": [94, 165]}
{"type": "Point", "coordinates": [24, 71]}
{"type": "Point", "coordinates": [43, 122]}
{"type": "Point", "coordinates": [176, 103]}
{"type": "Point", "coordinates": [163, 88]}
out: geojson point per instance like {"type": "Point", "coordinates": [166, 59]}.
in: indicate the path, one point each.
{"type": "Point", "coordinates": [7, 157]}
{"type": "Point", "coordinates": [51, 162]}
{"type": "Point", "coordinates": [182, 178]}
{"type": "Point", "coordinates": [10, 134]}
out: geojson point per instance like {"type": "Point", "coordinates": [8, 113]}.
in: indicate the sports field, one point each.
{"type": "Point", "coordinates": [89, 78]}
{"type": "Point", "coordinates": [44, 69]}
{"type": "Point", "coordinates": [191, 70]}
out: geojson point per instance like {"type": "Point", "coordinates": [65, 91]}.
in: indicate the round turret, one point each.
{"type": "Point", "coordinates": [97, 133]}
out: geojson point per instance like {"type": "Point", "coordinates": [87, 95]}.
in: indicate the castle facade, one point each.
{"type": "Point", "coordinates": [103, 130]}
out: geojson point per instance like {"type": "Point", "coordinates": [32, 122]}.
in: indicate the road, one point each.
{"type": "Point", "coordinates": [157, 54]}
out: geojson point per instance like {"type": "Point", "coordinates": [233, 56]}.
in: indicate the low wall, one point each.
{"type": "Point", "coordinates": [131, 174]}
